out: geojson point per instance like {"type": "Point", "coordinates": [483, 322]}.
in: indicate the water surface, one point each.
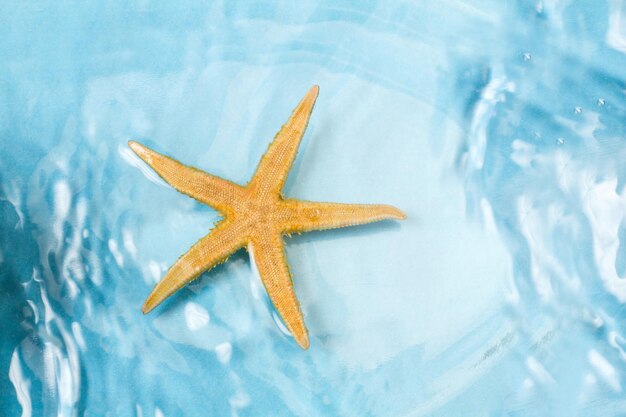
{"type": "Point", "coordinates": [498, 127]}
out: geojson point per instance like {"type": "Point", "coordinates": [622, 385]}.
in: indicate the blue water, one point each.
{"type": "Point", "coordinates": [498, 127]}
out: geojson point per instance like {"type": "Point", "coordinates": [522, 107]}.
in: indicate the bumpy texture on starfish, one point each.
{"type": "Point", "coordinates": [257, 216]}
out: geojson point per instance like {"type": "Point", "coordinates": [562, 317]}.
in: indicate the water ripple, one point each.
{"type": "Point", "coordinates": [497, 127]}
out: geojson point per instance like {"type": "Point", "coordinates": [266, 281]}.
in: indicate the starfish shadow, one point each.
{"type": "Point", "coordinates": [315, 312]}
{"type": "Point", "coordinates": [216, 274]}
{"type": "Point", "coordinates": [342, 233]}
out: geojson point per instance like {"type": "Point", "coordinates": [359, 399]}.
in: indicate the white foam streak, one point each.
{"type": "Point", "coordinates": [492, 94]}
{"type": "Point", "coordinates": [604, 369]}
{"type": "Point", "coordinates": [605, 210]}
{"type": "Point", "coordinates": [196, 316]}
{"type": "Point", "coordinates": [616, 32]}
{"type": "Point", "coordinates": [21, 384]}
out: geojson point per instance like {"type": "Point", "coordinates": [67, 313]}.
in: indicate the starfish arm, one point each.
{"type": "Point", "coordinates": [306, 216]}
{"type": "Point", "coordinates": [273, 169]}
{"type": "Point", "coordinates": [268, 254]}
{"type": "Point", "coordinates": [208, 189]}
{"type": "Point", "coordinates": [204, 255]}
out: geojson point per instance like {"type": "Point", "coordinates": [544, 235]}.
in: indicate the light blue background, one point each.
{"type": "Point", "coordinates": [498, 127]}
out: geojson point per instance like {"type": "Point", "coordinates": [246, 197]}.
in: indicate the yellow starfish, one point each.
{"type": "Point", "coordinates": [256, 216]}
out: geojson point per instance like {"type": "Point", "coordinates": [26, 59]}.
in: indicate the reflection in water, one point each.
{"type": "Point", "coordinates": [499, 129]}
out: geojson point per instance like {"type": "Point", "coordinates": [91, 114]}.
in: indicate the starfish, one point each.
{"type": "Point", "coordinates": [256, 216]}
